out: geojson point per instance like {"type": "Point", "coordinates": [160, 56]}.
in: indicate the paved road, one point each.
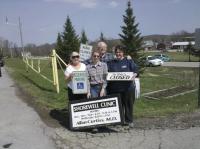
{"type": "Point", "coordinates": [181, 64]}
{"type": "Point", "coordinates": [20, 125]}
{"type": "Point", "coordinates": [21, 128]}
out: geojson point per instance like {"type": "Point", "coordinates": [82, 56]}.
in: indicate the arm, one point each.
{"type": "Point", "coordinates": [105, 72]}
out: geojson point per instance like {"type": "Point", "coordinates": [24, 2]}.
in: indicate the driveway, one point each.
{"type": "Point", "coordinates": [20, 125]}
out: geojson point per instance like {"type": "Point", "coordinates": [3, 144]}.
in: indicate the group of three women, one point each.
{"type": "Point", "coordinates": [97, 70]}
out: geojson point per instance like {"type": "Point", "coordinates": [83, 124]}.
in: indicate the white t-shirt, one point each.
{"type": "Point", "coordinates": [71, 69]}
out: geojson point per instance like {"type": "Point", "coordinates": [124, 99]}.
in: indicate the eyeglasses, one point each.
{"type": "Point", "coordinates": [96, 56]}
{"type": "Point", "coordinates": [73, 57]}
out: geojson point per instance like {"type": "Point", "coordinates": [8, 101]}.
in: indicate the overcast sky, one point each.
{"type": "Point", "coordinates": [43, 19]}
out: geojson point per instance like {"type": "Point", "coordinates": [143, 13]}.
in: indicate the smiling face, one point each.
{"type": "Point", "coordinates": [75, 58]}
{"type": "Point", "coordinates": [102, 47]}
{"type": "Point", "coordinates": [119, 54]}
{"type": "Point", "coordinates": [95, 57]}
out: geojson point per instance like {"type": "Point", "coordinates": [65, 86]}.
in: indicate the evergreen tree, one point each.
{"type": "Point", "coordinates": [84, 39]}
{"type": "Point", "coordinates": [130, 36]}
{"type": "Point", "coordinates": [59, 45]}
{"type": "Point", "coordinates": [102, 37]}
{"type": "Point", "coordinates": [70, 40]}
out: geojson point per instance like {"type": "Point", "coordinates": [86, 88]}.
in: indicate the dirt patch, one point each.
{"type": "Point", "coordinates": [171, 92]}
{"type": "Point", "coordinates": [59, 118]}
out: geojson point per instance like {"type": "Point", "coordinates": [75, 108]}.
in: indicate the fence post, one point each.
{"type": "Point", "coordinates": [55, 71]}
{"type": "Point", "coordinates": [39, 65]}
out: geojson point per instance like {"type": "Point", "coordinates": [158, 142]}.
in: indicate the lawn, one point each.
{"type": "Point", "coordinates": [154, 78]}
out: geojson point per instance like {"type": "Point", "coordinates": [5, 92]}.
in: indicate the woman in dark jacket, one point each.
{"type": "Point", "coordinates": [124, 88]}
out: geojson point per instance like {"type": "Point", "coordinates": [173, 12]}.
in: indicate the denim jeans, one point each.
{"type": "Point", "coordinates": [95, 90]}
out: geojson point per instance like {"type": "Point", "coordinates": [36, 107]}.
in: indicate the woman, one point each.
{"type": "Point", "coordinates": [97, 72]}
{"type": "Point", "coordinates": [124, 88]}
{"type": "Point", "coordinates": [75, 65]}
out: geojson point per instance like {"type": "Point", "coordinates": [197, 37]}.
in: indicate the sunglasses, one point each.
{"type": "Point", "coordinates": [95, 55]}
{"type": "Point", "coordinates": [73, 57]}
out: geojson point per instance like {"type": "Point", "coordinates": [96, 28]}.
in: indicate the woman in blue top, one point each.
{"type": "Point", "coordinates": [124, 88]}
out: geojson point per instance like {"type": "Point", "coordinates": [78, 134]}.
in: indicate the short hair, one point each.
{"type": "Point", "coordinates": [101, 44]}
{"type": "Point", "coordinates": [96, 51]}
{"type": "Point", "coordinates": [121, 48]}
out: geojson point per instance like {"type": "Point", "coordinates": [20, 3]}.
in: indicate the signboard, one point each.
{"type": "Point", "coordinates": [95, 112]}
{"type": "Point", "coordinates": [79, 82]}
{"type": "Point", "coordinates": [197, 38]}
{"type": "Point", "coordinates": [120, 76]}
{"type": "Point", "coordinates": [85, 52]}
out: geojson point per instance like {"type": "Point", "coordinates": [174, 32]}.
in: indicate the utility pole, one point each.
{"type": "Point", "coordinates": [21, 38]}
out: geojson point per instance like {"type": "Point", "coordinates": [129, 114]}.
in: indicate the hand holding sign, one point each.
{"type": "Point", "coordinates": [120, 76]}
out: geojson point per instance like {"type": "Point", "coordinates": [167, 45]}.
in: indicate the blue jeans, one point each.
{"type": "Point", "coordinates": [95, 90]}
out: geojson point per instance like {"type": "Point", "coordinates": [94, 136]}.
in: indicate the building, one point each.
{"type": "Point", "coordinates": [182, 45]}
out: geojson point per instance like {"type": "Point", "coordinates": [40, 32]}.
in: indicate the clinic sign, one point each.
{"type": "Point", "coordinates": [120, 76]}
{"type": "Point", "coordinates": [85, 52]}
{"type": "Point", "coordinates": [79, 82]}
{"type": "Point", "coordinates": [95, 112]}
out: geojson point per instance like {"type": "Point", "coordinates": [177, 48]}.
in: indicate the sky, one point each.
{"type": "Point", "coordinates": [42, 20]}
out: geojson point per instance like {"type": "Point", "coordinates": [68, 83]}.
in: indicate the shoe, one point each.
{"type": "Point", "coordinates": [131, 125]}
{"type": "Point", "coordinates": [95, 130]}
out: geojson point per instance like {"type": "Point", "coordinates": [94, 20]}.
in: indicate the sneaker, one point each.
{"type": "Point", "coordinates": [95, 130]}
{"type": "Point", "coordinates": [131, 125]}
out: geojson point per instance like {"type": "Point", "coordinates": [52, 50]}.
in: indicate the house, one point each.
{"type": "Point", "coordinates": [182, 45]}
{"type": "Point", "coordinates": [148, 45]}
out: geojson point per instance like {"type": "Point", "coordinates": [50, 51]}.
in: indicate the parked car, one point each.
{"type": "Point", "coordinates": [1, 62]}
{"type": "Point", "coordinates": [153, 61]}
{"type": "Point", "coordinates": [163, 57]}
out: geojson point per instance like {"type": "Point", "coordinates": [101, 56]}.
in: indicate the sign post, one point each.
{"type": "Point", "coordinates": [197, 46]}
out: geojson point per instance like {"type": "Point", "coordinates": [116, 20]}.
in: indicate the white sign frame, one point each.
{"type": "Point", "coordinates": [80, 82]}
{"type": "Point", "coordinates": [96, 112]}
{"type": "Point", "coordinates": [85, 52]}
{"type": "Point", "coordinates": [120, 76]}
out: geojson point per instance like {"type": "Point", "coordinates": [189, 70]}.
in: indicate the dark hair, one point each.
{"type": "Point", "coordinates": [121, 48]}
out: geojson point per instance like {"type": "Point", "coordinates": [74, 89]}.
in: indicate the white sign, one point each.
{"type": "Point", "coordinates": [79, 82]}
{"type": "Point", "coordinates": [120, 76]}
{"type": "Point", "coordinates": [85, 52]}
{"type": "Point", "coordinates": [95, 112]}
{"type": "Point", "coordinates": [137, 88]}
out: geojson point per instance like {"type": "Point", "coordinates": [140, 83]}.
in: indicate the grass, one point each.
{"type": "Point", "coordinates": [154, 78]}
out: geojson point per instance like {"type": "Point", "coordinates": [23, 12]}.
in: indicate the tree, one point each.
{"type": "Point", "coordinates": [130, 36]}
{"type": "Point", "coordinates": [84, 39]}
{"type": "Point", "coordinates": [70, 41]}
{"type": "Point", "coordinates": [59, 45]}
{"type": "Point", "coordinates": [102, 37]}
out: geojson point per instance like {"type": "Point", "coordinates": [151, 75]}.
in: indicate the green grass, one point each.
{"type": "Point", "coordinates": [154, 78]}
{"type": "Point", "coordinates": [164, 107]}
{"type": "Point", "coordinates": [43, 91]}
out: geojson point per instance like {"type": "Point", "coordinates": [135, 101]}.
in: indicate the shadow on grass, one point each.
{"type": "Point", "coordinates": [36, 84]}
{"type": "Point", "coordinates": [62, 116]}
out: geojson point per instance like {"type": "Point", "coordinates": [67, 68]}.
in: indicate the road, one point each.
{"type": "Point", "coordinates": [22, 128]}
{"type": "Point", "coordinates": [20, 125]}
{"type": "Point", "coordinates": [181, 64]}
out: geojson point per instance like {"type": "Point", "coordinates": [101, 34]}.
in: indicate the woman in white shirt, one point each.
{"type": "Point", "coordinates": [75, 65]}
